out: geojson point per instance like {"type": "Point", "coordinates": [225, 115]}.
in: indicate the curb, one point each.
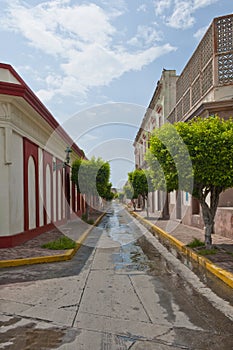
{"type": "Point", "coordinates": [222, 274]}
{"type": "Point", "coordinates": [68, 255]}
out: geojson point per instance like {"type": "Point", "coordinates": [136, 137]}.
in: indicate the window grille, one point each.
{"type": "Point", "coordinates": [225, 68]}
{"type": "Point", "coordinates": [224, 34]}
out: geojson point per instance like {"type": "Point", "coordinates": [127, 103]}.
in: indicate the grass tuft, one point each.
{"type": "Point", "coordinates": [196, 243]}
{"type": "Point", "coordinates": [60, 244]}
{"type": "Point", "coordinates": [207, 251]}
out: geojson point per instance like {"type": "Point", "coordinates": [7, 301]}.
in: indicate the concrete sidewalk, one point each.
{"type": "Point", "coordinates": [31, 252]}
{"type": "Point", "coordinates": [170, 232]}
{"type": "Point", "coordinates": [174, 234]}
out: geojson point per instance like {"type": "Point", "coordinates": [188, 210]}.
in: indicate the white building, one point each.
{"type": "Point", "coordinates": [35, 188]}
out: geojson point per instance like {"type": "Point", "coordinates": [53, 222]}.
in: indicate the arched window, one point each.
{"type": "Point", "coordinates": [31, 193]}
{"type": "Point", "coordinates": [48, 194]}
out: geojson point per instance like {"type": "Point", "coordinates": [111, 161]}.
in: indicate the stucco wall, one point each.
{"type": "Point", "coordinates": [224, 222]}
{"type": "Point", "coordinates": [16, 185]}
{"type": "Point", "coordinates": [4, 188]}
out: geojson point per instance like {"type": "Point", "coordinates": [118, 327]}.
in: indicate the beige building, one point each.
{"type": "Point", "coordinates": [205, 88]}
{"type": "Point", "coordinates": [161, 104]}
{"type": "Point", "coordinates": [36, 191]}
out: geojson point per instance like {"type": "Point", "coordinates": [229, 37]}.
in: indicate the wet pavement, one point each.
{"type": "Point", "coordinates": [123, 290]}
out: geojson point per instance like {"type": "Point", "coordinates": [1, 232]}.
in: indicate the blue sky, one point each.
{"type": "Point", "coordinates": [93, 60]}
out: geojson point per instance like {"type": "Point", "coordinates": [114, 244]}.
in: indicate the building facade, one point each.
{"type": "Point", "coordinates": [204, 88]}
{"type": "Point", "coordinates": [161, 104]}
{"type": "Point", "coordinates": [36, 190]}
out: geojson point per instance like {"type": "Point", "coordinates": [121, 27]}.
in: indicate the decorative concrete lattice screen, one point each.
{"type": "Point", "coordinates": [224, 43]}
{"type": "Point", "coordinates": [210, 65]}
{"type": "Point", "coordinates": [207, 77]}
{"type": "Point", "coordinates": [179, 88]}
{"type": "Point", "coordinates": [196, 91]}
{"type": "Point", "coordinates": [172, 117]}
{"type": "Point", "coordinates": [206, 47]}
{"type": "Point", "coordinates": [186, 102]}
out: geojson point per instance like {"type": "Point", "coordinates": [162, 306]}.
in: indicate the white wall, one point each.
{"type": "Point", "coordinates": [32, 193]}
{"type": "Point", "coordinates": [16, 185]}
{"type": "Point", "coordinates": [41, 188]}
{"type": "Point", "coordinates": [48, 194]}
{"type": "Point", "coordinates": [4, 189]}
{"type": "Point", "coordinates": [54, 194]}
{"type": "Point", "coordinates": [173, 197]}
{"type": "Point", "coordinates": [59, 195]}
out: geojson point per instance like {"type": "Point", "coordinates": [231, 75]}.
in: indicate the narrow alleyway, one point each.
{"type": "Point", "coordinates": [122, 291]}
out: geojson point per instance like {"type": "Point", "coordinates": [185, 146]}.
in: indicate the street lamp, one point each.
{"type": "Point", "coordinates": [68, 150]}
{"type": "Point", "coordinates": [56, 166]}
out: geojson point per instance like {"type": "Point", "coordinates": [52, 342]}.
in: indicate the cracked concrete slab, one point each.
{"type": "Point", "coordinates": [146, 345]}
{"type": "Point", "coordinates": [129, 328]}
{"type": "Point", "coordinates": [97, 340]}
{"type": "Point", "coordinates": [123, 298]}
{"type": "Point", "coordinates": [107, 294]}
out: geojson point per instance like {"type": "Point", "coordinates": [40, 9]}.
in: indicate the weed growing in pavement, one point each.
{"type": "Point", "coordinates": [60, 244]}
{"type": "Point", "coordinates": [196, 243]}
{"type": "Point", "coordinates": [88, 221]}
{"type": "Point", "coordinates": [207, 251]}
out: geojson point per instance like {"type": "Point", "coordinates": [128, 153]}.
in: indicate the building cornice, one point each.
{"type": "Point", "coordinates": [23, 91]}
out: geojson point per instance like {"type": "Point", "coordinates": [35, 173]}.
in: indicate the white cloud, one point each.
{"type": "Point", "coordinates": [142, 8]}
{"type": "Point", "coordinates": [199, 34]}
{"type": "Point", "coordinates": [146, 36]}
{"type": "Point", "coordinates": [161, 6]}
{"type": "Point", "coordinates": [83, 42]}
{"type": "Point", "coordinates": [197, 4]}
{"type": "Point", "coordinates": [180, 14]}
{"type": "Point", "coordinates": [45, 95]}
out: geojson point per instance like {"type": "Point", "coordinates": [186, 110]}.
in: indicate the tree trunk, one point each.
{"type": "Point", "coordinates": [147, 208]}
{"type": "Point", "coordinates": [165, 210]}
{"type": "Point", "coordinates": [209, 212]}
{"type": "Point", "coordinates": [143, 203]}
{"type": "Point", "coordinates": [87, 206]}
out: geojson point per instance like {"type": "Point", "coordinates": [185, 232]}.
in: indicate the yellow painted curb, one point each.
{"type": "Point", "coordinates": [52, 258]}
{"type": "Point", "coordinates": [222, 274]}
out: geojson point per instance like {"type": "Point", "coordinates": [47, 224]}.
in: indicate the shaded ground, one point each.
{"type": "Point", "coordinates": [33, 247]}
{"type": "Point", "coordinates": [130, 294]}
{"type": "Point", "coordinates": [223, 256]}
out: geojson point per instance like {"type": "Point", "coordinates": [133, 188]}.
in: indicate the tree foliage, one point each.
{"type": "Point", "coordinates": [128, 191]}
{"type": "Point", "coordinates": [197, 157]}
{"type": "Point", "coordinates": [141, 183]}
{"type": "Point", "coordinates": [92, 177]}
{"type": "Point", "coordinates": [138, 181]}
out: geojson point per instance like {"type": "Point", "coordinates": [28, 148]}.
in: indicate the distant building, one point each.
{"type": "Point", "coordinates": [161, 104]}
{"type": "Point", "coordinates": [36, 192]}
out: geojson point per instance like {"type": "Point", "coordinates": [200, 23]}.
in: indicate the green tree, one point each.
{"type": "Point", "coordinates": [128, 191]}
{"type": "Point", "coordinates": [92, 178]}
{"type": "Point", "coordinates": [140, 181]}
{"type": "Point", "coordinates": [197, 157]}
{"type": "Point", "coordinates": [75, 171]}
{"type": "Point", "coordinates": [102, 180]}
{"type": "Point", "coordinates": [121, 196]}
